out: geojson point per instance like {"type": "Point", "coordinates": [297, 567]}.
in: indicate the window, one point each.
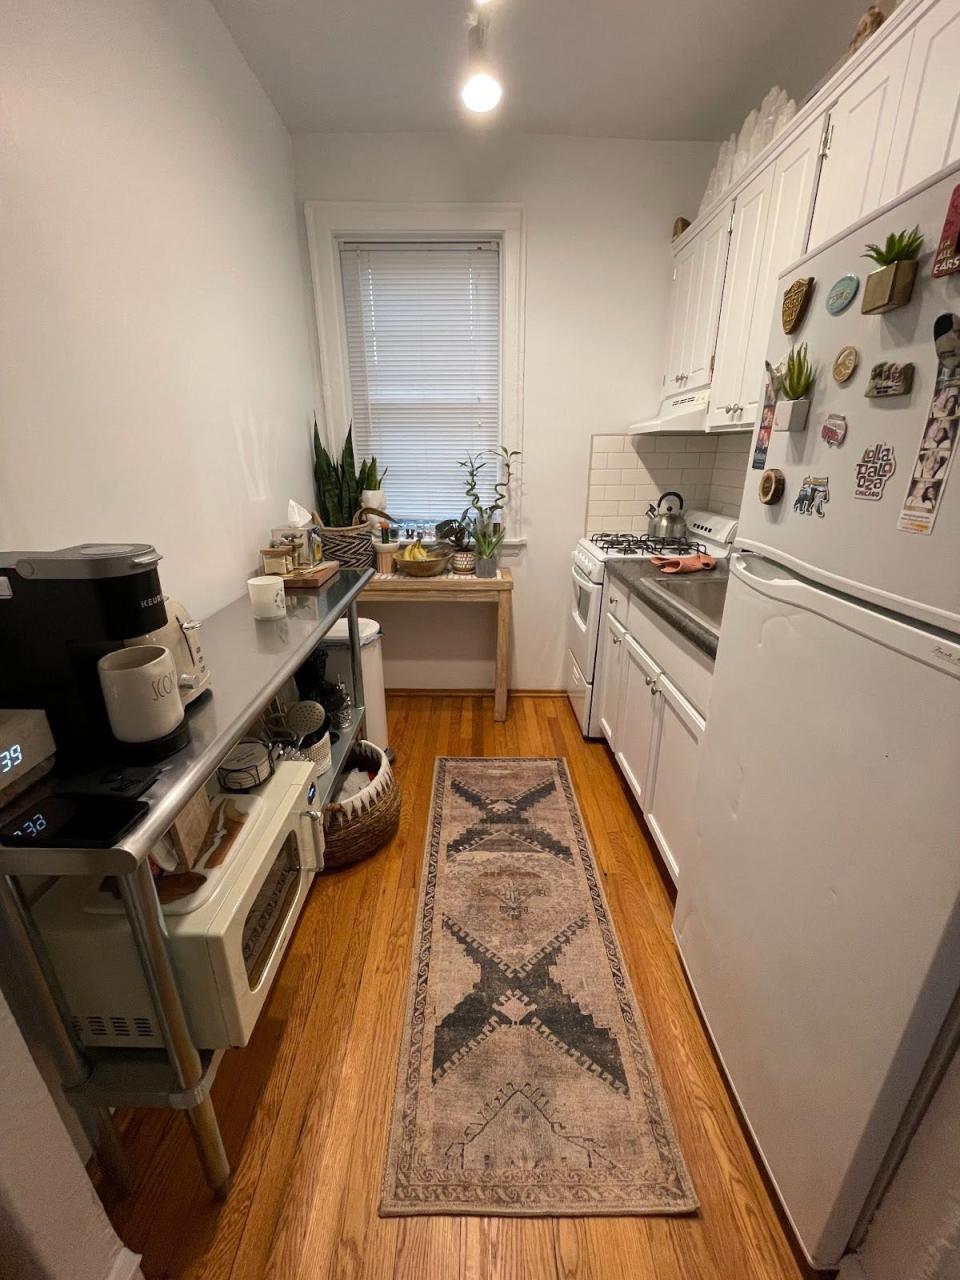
{"type": "Point", "coordinates": [422, 324]}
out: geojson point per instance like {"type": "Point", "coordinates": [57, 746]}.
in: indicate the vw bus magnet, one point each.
{"type": "Point", "coordinates": [842, 293]}
{"type": "Point", "coordinates": [813, 496]}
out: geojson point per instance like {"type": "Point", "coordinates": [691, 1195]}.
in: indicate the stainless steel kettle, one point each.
{"type": "Point", "coordinates": [666, 524]}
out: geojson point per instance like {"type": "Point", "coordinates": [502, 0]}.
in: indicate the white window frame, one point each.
{"type": "Point", "coordinates": [331, 221]}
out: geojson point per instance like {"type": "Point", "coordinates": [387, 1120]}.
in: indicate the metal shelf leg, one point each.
{"type": "Point", "coordinates": [36, 1000]}
{"type": "Point", "coordinates": [356, 658]}
{"type": "Point", "coordinates": [146, 922]}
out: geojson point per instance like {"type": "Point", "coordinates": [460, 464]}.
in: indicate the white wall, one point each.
{"type": "Point", "coordinates": [52, 1226]}
{"type": "Point", "coordinates": [598, 215]}
{"type": "Point", "coordinates": [155, 368]}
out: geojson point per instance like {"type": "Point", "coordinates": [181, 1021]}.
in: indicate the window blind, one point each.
{"type": "Point", "coordinates": [423, 342]}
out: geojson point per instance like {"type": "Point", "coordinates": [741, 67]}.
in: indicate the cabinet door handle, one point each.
{"type": "Point", "coordinates": [647, 681]}
{"type": "Point", "coordinates": [616, 639]}
{"type": "Point", "coordinates": [614, 600]}
{"type": "Point", "coordinates": [653, 689]}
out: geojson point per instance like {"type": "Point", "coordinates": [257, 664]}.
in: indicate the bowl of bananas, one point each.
{"type": "Point", "coordinates": [417, 562]}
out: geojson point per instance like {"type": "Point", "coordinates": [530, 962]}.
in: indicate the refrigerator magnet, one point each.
{"type": "Point", "coordinates": [947, 258]}
{"type": "Point", "coordinates": [766, 422]}
{"type": "Point", "coordinates": [796, 299]}
{"type": "Point", "coordinates": [873, 471]}
{"type": "Point", "coordinates": [772, 485]}
{"type": "Point", "coordinates": [834, 430]}
{"type": "Point", "coordinates": [842, 293]}
{"type": "Point", "coordinates": [844, 366]}
{"type": "Point", "coordinates": [938, 443]}
{"type": "Point", "coordinates": [813, 496]}
{"type": "Point", "coordinates": [889, 379]}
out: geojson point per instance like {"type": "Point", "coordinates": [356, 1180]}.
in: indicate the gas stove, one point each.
{"type": "Point", "coordinates": [642, 544]}
{"type": "Point", "coordinates": [707, 533]}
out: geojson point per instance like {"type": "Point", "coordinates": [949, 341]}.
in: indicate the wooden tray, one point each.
{"type": "Point", "coordinates": [311, 579]}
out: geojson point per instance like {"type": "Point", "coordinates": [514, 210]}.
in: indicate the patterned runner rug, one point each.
{"type": "Point", "coordinates": [526, 1084]}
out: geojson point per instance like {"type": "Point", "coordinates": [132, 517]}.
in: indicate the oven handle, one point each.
{"type": "Point", "coordinates": [584, 581]}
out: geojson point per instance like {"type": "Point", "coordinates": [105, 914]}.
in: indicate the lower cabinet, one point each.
{"type": "Point", "coordinates": [638, 730]}
{"type": "Point", "coordinates": [611, 670]}
{"type": "Point", "coordinates": [654, 733]}
{"type": "Point", "coordinates": [670, 798]}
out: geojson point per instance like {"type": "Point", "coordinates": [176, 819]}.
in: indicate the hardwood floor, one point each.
{"type": "Point", "coordinates": [305, 1107]}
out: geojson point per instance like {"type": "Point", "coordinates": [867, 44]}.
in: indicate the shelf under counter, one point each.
{"type": "Point", "coordinates": [250, 660]}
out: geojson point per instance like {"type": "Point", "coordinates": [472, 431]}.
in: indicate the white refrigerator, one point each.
{"type": "Point", "coordinates": [819, 916]}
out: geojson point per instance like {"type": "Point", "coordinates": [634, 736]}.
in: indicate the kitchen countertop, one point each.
{"type": "Point", "coordinates": [691, 602]}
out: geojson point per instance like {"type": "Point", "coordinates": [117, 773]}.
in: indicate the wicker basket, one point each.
{"type": "Point", "coordinates": [351, 545]}
{"type": "Point", "coordinates": [358, 827]}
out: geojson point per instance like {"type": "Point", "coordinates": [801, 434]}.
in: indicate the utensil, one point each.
{"type": "Point", "coordinates": [669, 523]}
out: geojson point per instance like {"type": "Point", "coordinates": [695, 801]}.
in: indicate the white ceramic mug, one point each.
{"type": "Point", "coordinates": [266, 596]}
{"type": "Point", "coordinates": [141, 690]}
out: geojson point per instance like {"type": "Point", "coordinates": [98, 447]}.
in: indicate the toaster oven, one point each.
{"type": "Point", "coordinates": [226, 941]}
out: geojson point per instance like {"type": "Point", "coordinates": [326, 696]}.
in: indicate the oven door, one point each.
{"type": "Point", "coordinates": [584, 624]}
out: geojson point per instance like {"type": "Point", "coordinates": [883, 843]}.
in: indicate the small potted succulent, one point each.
{"type": "Point", "coordinates": [891, 286]}
{"type": "Point", "coordinates": [793, 402]}
{"type": "Point", "coordinates": [456, 534]}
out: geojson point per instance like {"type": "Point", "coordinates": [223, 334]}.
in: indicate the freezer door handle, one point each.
{"type": "Point", "coordinates": [932, 647]}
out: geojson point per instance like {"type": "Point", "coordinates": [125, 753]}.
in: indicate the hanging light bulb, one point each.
{"type": "Point", "coordinates": [482, 90]}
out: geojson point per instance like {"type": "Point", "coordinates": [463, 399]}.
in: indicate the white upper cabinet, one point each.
{"type": "Point", "coordinates": [927, 134]}
{"type": "Point", "coordinates": [769, 231]}
{"type": "Point", "coordinates": [737, 317]}
{"type": "Point", "coordinates": [699, 265]}
{"type": "Point", "coordinates": [859, 141]}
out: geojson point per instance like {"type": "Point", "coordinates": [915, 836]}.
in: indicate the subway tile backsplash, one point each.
{"type": "Point", "coordinates": [627, 473]}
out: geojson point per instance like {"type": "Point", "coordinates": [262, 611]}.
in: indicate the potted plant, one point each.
{"type": "Point", "coordinates": [456, 534]}
{"type": "Point", "coordinates": [793, 402]}
{"type": "Point", "coordinates": [485, 523]}
{"type": "Point", "coordinates": [892, 285]}
{"type": "Point", "coordinates": [370, 480]}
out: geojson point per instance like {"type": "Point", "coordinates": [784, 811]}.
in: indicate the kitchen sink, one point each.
{"type": "Point", "coordinates": [701, 593]}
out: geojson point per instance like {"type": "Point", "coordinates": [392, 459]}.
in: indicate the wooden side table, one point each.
{"type": "Point", "coordinates": [457, 589]}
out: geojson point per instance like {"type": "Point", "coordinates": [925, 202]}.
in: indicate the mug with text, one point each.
{"type": "Point", "coordinates": [141, 691]}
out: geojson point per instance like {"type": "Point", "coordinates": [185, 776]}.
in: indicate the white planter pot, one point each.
{"type": "Point", "coordinates": [791, 415]}
{"type": "Point", "coordinates": [374, 498]}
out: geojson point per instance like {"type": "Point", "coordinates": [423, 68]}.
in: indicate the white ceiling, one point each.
{"type": "Point", "coordinates": [683, 69]}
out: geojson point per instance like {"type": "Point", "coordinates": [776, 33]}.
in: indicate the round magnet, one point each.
{"type": "Point", "coordinates": [846, 362]}
{"type": "Point", "coordinates": [842, 294]}
{"type": "Point", "coordinates": [834, 429]}
{"type": "Point", "coordinates": [772, 485]}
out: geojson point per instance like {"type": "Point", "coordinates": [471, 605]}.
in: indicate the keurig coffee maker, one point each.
{"type": "Point", "coordinates": [60, 611]}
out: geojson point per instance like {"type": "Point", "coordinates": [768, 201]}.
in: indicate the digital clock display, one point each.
{"type": "Point", "coordinates": [10, 757]}
{"type": "Point", "coordinates": [31, 827]}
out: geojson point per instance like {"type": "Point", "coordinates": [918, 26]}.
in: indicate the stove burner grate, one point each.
{"type": "Point", "coordinates": [637, 544]}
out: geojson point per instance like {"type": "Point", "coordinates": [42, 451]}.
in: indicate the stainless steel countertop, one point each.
{"type": "Point", "coordinates": [249, 662]}
{"type": "Point", "coordinates": [691, 602]}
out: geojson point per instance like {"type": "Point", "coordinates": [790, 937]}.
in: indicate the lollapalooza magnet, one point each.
{"type": "Point", "coordinates": [841, 294]}
{"type": "Point", "coordinates": [938, 443]}
{"type": "Point", "coordinates": [874, 470]}
{"type": "Point", "coordinates": [813, 496]}
{"type": "Point", "coordinates": [834, 429]}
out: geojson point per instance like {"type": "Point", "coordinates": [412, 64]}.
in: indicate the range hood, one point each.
{"type": "Point", "coordinates": [679, 414]}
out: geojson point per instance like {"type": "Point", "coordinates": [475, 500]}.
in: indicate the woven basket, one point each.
{"type": "Point", "coordinates": [358, 827]}
{"type": "Point", "coordinates": [351, 545]}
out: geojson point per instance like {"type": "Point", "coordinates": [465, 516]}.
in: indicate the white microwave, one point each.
{"type": "Point", "coordinates": [226, 942]}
